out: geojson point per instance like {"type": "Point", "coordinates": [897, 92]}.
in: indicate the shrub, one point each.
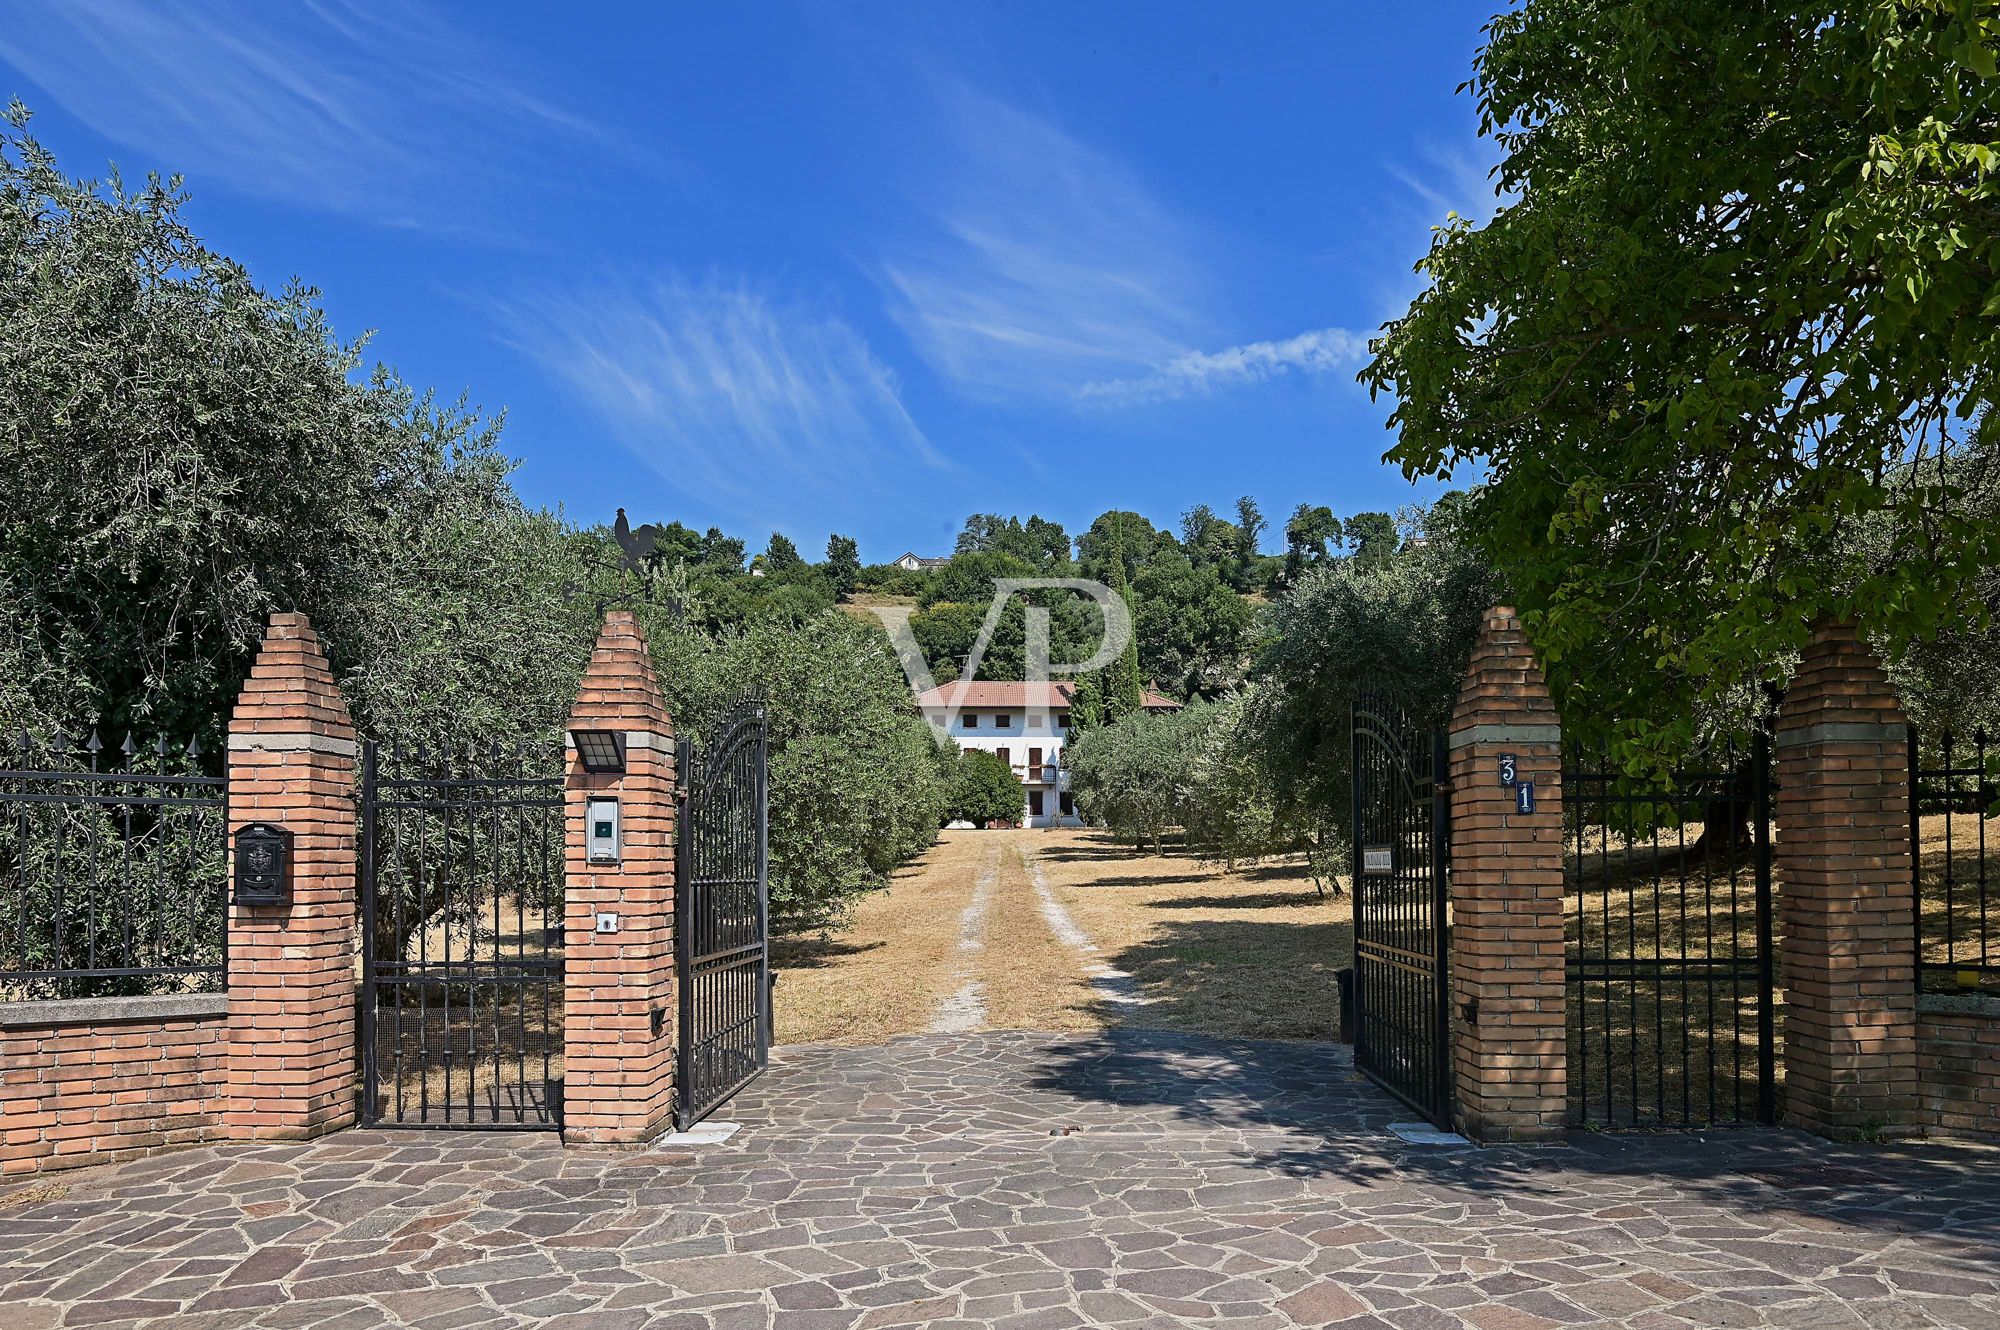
{"type": "Point", "coordinates": [984, 789]}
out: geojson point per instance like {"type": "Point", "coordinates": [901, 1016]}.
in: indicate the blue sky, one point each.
{"type": "Point", "coordinates": [862, 267]}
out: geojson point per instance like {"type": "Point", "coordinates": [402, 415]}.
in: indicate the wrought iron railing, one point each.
{"type": "Point", "coordinates": [462, 882]}
{"type": "Point", "coordinates": [1953, 800]}
{"type": "Point", "coordinates": [113, 869]}
{"type": "Point", "coordinates": [1670, 956]}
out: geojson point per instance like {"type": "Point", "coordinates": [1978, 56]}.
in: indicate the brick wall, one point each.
{"type": "Point", "coordinates": [1958, 1064]}
{"type": "Point", "coordinates": [90, 1081]}
{"type": "Point", "coordinates": [1507, 985]}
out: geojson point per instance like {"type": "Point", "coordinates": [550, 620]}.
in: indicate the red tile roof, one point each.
{"type": "Point", "coordinates": [1002, 694]}
{"type": "Point", "coordinates": [1014, 695]}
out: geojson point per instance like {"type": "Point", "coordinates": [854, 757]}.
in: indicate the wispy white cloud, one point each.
{"type": "Point", "coordinates": [1042, 263]}
{"type": "Point", "coordinates": [392, 114]}
{"type": "Point", "coordinates": [1199, 373]}
{"type": "Point", "coordinates": [1445, 179]}
{"type": "Point", "coordinates": [756, 404]}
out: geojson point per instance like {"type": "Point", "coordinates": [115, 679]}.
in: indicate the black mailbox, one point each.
{"type": "Point", "coordinates": [263, 865]}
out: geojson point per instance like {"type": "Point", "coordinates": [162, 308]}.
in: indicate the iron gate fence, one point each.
{"type": "Point", "coordinates": [1957, 907]}
{"type": "Point", "coordinates": [722, 901]}
{"type": "Point", "coordinates": [1670, 960]}
{"type": "Point", "coordinates": [1402, 910]}
{"type": "Point", "coordinates": [115, 868]}
{"type": "Point", "coordinates": [462, 917]}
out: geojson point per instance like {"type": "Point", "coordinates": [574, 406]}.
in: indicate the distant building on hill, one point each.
{"type": "Point", "coordinates": [916, 563]}
{"type": "Point", "coordinates": [1024, 725]}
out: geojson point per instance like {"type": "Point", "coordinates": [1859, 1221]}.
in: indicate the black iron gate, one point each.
{"type": "Point", "coordinates": [1402, 818]}
{"type": "Point", "coordinates": [1669, 952]}
{"type": "Point", "coordinates": [462, 914]}
{"type": "Point", "coordinates": [723, 919]}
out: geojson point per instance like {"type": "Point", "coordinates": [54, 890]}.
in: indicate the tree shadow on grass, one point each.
{"type": "Point", "coordinates": [1253, 978]}
{"type": "Point", "coordinates": [1097, 850]}
{"type": "Point", "coordinates": [1249, 900]}
{"type": "Point", "coordinates": [1139, 880]}
{"type": "Point", "coordinates": [812, 953]}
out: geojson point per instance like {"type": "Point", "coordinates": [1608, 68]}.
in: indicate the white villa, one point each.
{"type": "Point", "coordinates": [912, 562]}
{"type": "Point", "coordinates": [1026, 726]}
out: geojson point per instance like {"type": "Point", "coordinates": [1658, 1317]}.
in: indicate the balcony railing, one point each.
{"type": "Point", "coordinates": [1045, 774]}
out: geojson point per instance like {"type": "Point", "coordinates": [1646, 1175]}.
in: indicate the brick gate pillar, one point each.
{"type": "Point", "coordinates": [291, 1056]}
{"type": "Point", "coordinates": [1845, 893]}
{"type": "Point", "coordinates": [619, 1018]}
{"type": "Point", "coordinates": [1507, 985]}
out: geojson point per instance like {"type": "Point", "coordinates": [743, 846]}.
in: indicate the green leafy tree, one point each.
{"type": "Point", "coordinates": [984, 789]}
{"type": "Point", "coordinates": [182, 452]}
{"type": "Point", "coordinates": [843, 563]}
{"type": "Point", "coordinates": [1124, 694]}
{"type": "Point", "coordinates": [1193, 630]}
{"type": "Point", "coordinates": [1740, 299]}
{"type": "Point", "coordinates": [1135, 776]}
{"type": "Point", "coordinates": [1308, 539]}
{"type": "Point", "coordinates": [858, 784]}
{"type": "Point", "coordinates": [1119, 539]}
{"type": "Point", "coordinates": [1233, 811]}
{"type": "Point", "coordinates": [1369, 537]}
{"type": "Point", "coordinates": [1046, 545]}
{"type": "Point", "coordinates": [781, 555]}
{"type": "Point", "coordinates": [1039, 543]}
{"type": "Point", "coordinates": [1250, 528]}
{"type": "Point", "coordinates": [1086, 708]}
{"type": "Point", "coordinates": [1402, 629]}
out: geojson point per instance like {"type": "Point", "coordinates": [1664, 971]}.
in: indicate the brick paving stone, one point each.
{"type": "Point", "coordinates": [1023, 1181]}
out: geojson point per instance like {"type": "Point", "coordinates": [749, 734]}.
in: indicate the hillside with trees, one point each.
{"type": "Point", "coordinates": [186, 451]}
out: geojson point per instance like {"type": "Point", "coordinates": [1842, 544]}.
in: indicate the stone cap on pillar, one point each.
{"type": "Point", "coordinates": [1503, 683]}
{"type": "Point", "coordinates": [291, 691]}
{"type": "Point", "coordinates": [620, 688]}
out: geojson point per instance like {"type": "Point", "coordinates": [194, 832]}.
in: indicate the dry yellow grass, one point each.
{"type": "Point", "coordinates": [33, 1194]}
{"type": "Point", "coordinates": [1961, 864]}
{"type": "Point", "coordinates": [886, 972]}
{"type": "Point", "coordinates": [861, 604]}
{"type": "Point", "coordinates": [1030, 979]}
{"type": "Point", "coordinates": [1246, 953]}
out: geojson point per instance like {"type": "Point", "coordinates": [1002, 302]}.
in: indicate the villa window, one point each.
{"type": "Point", "coordinates": [1034, 803]}
{"type": "Point", "coordinates": [1002, 721]}
{"type": "Point", "coordinates": [971, 721]}
{"type": "Point", "coordinates": [1062, 720]}
{"type": "Point", "coordinates": [1068, 803]}
{"type": "Point", "coordinates": [1005, 755]}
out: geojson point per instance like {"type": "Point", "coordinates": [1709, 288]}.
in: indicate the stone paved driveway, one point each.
{"type": "Point", "coordinates": [1023, 1181]}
